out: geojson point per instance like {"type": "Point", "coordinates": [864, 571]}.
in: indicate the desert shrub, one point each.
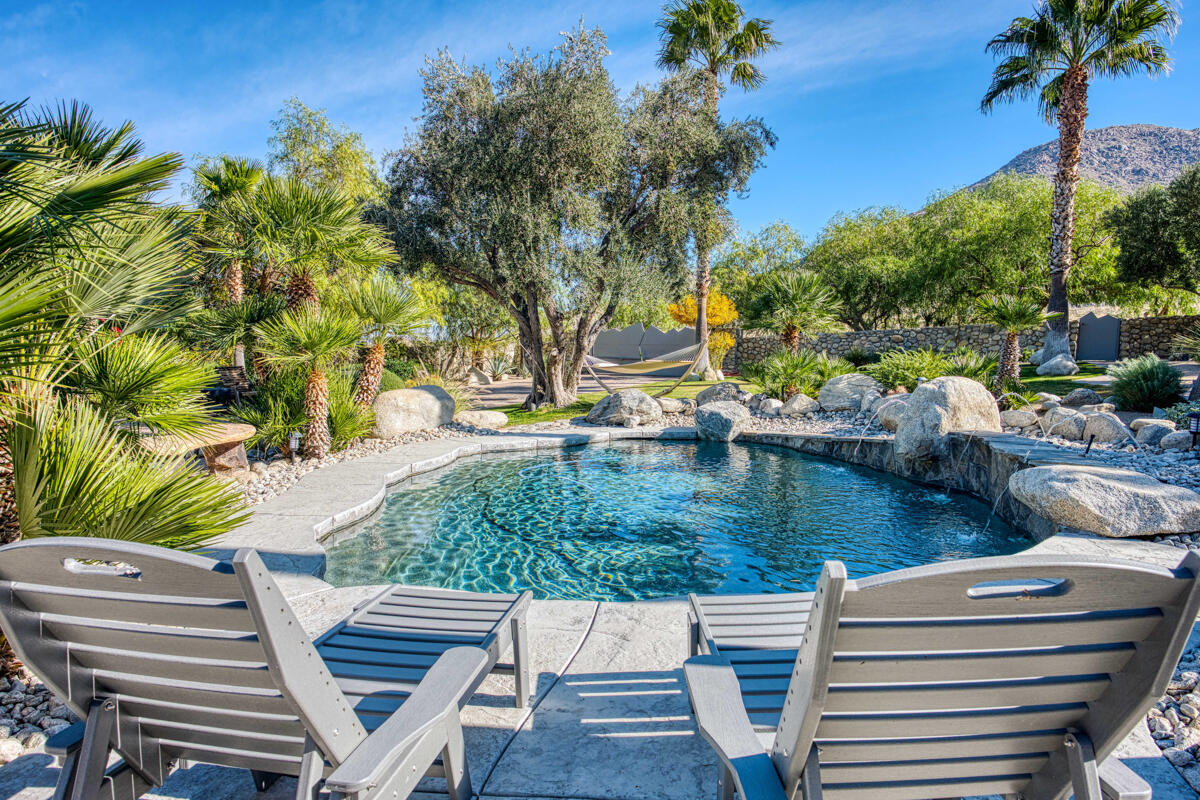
{"type": "Point", "coordinates": [1178, 413]}
{"type": "Point", "coordinates": [828, 368]}
{"type": "Point", "coordinates": [389, 381]}
{"type": "Point", "coordinates": [499, 365]}
{"type": "Point", "coordinates": [906, 367]}
{"type": "Point", "coordinates": [1145, 382]}
{"type": "Point", "coordinates": [347, 420]}
{"type": "Point", "coordinates": [719, 343]}
{"type": "Point", "coordinates": [402, 368]}
{"type": "Point", "coordinates": [276, 412]}
{"type": "Point", "coordinates": [464, 395]}
{"type": "Point", "coordinates": [972, 364]}
{"type": "Point", "coordinates": [786, 374]}
{"type": "Point", "coordinates": [860, 357]}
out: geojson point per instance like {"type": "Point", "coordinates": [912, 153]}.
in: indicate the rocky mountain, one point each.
{"type": "Point", "coordinates": [1126, 157]}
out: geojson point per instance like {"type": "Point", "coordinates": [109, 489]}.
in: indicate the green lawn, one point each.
{"type": "Point", "coordinates": [687, 389]}
{"type": "Point", "coordinates": [1061, 386]}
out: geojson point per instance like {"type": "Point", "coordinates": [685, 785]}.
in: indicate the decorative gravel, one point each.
{"type": "Point", "coordinates": [1174, 722]}
{"type": "Point", "coordinates": [29, 713]}
{"type": "Point", "coordinates": [268, 479]}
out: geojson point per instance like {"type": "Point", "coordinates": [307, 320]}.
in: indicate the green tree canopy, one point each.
{"type": "Point", "coordinates": [1158, 230]}
{"type": "Point", "coordinates": [306, 146]}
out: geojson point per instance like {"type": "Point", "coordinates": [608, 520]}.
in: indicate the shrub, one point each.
{"type": "Point", "coordinates": [786, 374]}
{"type": "Point", "coordinates": [860, 357]}
{"type": "Point", "coordinates": [906, 367]}
{"type": "Point", "coordinates": [402, 368]}
{"type": "Point", "coordinates": [829, 368]}
{"type": "Point", "coordinates": [347, 420]}
{"type": "Point", "coordinates": [276, 412]}
{"type": "Point", "coordinates": [464, 395]}
{"type": "Point", "coordinates": [1178, 413]}
{"type": "Point", "coordinates": [389, 381]}
{"type": "Point", "coordinates": [972, 364]}
{"type": "Point", "coordinates": [1143, 383]}
{"type": "Point", "coordinates": [719, 343]}
{"type": "Point", "coordinates": [498, 365]}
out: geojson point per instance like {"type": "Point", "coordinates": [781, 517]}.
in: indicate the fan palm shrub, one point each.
{"type": "Point", "coordinates": [795, 305]}
{"type": "Point", "coordinates": [82, 239]}
{"type": "Point", "coordinates": [785, 374]}
{"type": "Point", "coordinates": [1014, 315]}
{"type": "Point", "coordinates": [222, 330]}
{"type": "Point", "coordinates": [1054, 55]}
{"type": "Point", "coordinates": [311, 341]}
{"type": "Point", "coordinates": [388, 310]}
{"type": "Point", "coordinates": [1144, 383]}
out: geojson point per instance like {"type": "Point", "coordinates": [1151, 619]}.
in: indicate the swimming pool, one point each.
{"type": "Point", "coordinates": [643, 520]}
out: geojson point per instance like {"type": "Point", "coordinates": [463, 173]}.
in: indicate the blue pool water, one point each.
{"type": "Point", "coordinates": [641, 520]}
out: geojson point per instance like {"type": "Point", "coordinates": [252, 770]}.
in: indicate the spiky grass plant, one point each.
{"type": "Point", "coordinates": [312, 341]}
{"type": "Point", "coordinates": [1144, 383]}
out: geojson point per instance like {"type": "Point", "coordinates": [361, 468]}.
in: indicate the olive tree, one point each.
{"type": "Point", "coordinates": [538, 186]}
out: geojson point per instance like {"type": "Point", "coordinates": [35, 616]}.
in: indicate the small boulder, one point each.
{"type": "Point", "coordinates": [260, 467]}
{"type": "Point", "coordinates": [1107, 501]}
{"type": "Point", "coordinates": [1152, 434]}
{"type": "Point", "coordinates": [721, 421]}
{"type": "Point", "coordinates": [482, 418]}
{"type": "Point", "coordinates": [1082, 397]}
{"type": "Point", "coordinates": [845, 392]}
{"type": "Point", "coordinates": [799, 405]}
{"type": "Point", "coordinates": [477, 377]}
{"type": "Point", "coordinates": [869, 400]}
{"type": "Point", "coordinates": [770, 406]}
{"type": "Point", "coordinates": [940, 407]}
{"type": "Point", "coordinates": [421, 408]}
{"type": "Point", "coordinates": [616, 407]}
{"type": "Point", "coordinates": [1142, 422]}
{"type": "Point", "coordinates": [1064, 422]}
{"type": "Point", "coordinates": [1092, 408]}
{"type": "Point", "coordinates": [1018, 418]}
{"type": "Point", "coordinates": [719, 393]}
{"type": "Point", "coordinates": [1059, 365]}
{"type": "Point", "coordinates": [1180, 440]}
{"type": "Point", "coordinates": [671, 405]}
{"type": "Point", "coordinates": [1048, 396]}
{"type": "Point", "coordinates": [891, 410]}
{"type": "Point", "coordinates": [1106, 428]}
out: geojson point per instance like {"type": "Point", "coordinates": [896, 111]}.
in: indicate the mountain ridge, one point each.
{"type": "Point", "coordinates": [1125, 157]}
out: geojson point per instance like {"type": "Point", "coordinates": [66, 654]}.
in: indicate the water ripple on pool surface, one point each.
{"type": "Point", "coordinates": [641, 520]}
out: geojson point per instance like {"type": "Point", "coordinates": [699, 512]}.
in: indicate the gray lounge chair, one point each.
{"type": "Point", "coordinates": [172, 659]}
{"type": "Point", "coordinates": [1015, 676]}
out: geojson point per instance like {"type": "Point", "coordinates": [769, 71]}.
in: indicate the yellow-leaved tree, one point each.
{"type": "Point", "coordinates": [720, 312]}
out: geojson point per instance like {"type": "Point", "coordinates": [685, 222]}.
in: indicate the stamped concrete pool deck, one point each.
{"type": "Point", "coordinates": [609, 719]}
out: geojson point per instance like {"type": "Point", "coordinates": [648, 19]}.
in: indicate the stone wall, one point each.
{"type": "Point", "coordinates": [1153, 335]}
{"type": "Point", "coordinates": [984, 338]}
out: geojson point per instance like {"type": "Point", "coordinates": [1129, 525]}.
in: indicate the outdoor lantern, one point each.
{"type": "Point", "coordinates": [294, 443]}
{"type": "Point", "coordinates": [1194, 425]}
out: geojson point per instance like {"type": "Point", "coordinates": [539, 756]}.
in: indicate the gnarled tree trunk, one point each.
{"type": "Point", "coordinates": [1072, 119]}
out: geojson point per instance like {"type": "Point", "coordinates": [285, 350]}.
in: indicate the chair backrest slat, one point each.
{"type": "Point", "coordinates": [183, 646]}
{"type": "Point", "coordinates": [971, 673]}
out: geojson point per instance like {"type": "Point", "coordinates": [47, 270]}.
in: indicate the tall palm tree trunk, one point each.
{"type": "Point", "coordinates": [1010, 359]}
{"type": "Point", "coordinates": [370, 377]}
{"type": "Point", "coordinates": [1072, 119]}
{"type": "Point", "coordinates": [316, 408]}
{"type": "Point", "coordinates": [712, 93]}
{"type": "Point", "coordinates": [235, 287]}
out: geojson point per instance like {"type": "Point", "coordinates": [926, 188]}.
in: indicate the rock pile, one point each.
{"type": "Point", "coordinates": [29, 714]}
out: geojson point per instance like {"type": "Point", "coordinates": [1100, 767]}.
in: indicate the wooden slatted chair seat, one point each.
{"type": "Point", "coordinates": [171, 658]}
{"type": "Point", "coordinates": [1015, 676]}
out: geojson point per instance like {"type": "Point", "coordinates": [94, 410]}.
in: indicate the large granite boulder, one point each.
{"type": "Point", "coordinates": [1153, 434]}
{"type": "Point", "coordinates": [770, 407]}
{"type": "Point", "coordinates": [721, 421]}
{"type": "Point", "coordinates": [846, 392]}
{"type": "Point", "coordinates": [940, 407]}
{"type": "Point", "coordinates": [482, 418]}
{"type": "Point", "coordinates": [1064, 422]}
{"type": "Point", "coordinates": [1106, 427]}
{"type": "Point", "coordinates": [1141, 422]}
{"type": "Point", "coordinates": [618, 407]}
{"type": "Point", "coordinates": [1107, 501]}
{"type": "Point", "coordinates": [420, 408]}
{"type": "Point", "coordinates": [672, 405]}
{"type": "Point", "coordinates": [719, 393]}
{"type": "Point", "coordinates": [889, 412]}
{"type": "Point", "coordinates": [799, 405]}
{"type": "Point", "coordinates": [1059, 365]}
{"type": "Point", "coordinates": [1082, 397]}
{"type": "Point", "coordinates": [1180, 440]}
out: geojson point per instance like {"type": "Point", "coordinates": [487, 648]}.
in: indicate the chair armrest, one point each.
{"type": "Point", "coordinates": [717, 703]}
{"type": "Point", "coordinates": [436, 697]}
{"type": "Point", "coordinates": [1119, 782]}
{"type": "Point", "coordinates": [66, 741]}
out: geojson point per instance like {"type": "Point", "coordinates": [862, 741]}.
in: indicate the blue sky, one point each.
{"type": "Point", "coordinates": [874, 103]}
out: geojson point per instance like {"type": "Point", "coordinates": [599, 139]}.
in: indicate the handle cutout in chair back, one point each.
{"type": "Point", "coordinates": [102, 569]}
{"type": "Point", "coordinates": [1028, 588]}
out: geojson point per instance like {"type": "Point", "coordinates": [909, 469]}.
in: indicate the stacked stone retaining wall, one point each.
{"type": "Point", "coordinates": [1153, 335]}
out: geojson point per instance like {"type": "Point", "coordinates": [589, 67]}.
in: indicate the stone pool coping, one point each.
{"type": "Point", "coordinates": [609, 717]}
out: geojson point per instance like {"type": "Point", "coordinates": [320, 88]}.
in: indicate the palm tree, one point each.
{"type": "Point", "coordinates": [1014, 315]}
{"type": "Point", "coordinates": [388, 310]}
{"type": "Point", "coordinates": [313, 340]}
{"type": "Point", "coordinates": [795, 305]}
{"type": "Point", "coordinates": [1054, 55]}
{"type": "Point", "coordinates": [711, 36]}
{"type": "Point", "coordinates": [222, 186]}
{"type": "Point", "coordinates": [308, 231]}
